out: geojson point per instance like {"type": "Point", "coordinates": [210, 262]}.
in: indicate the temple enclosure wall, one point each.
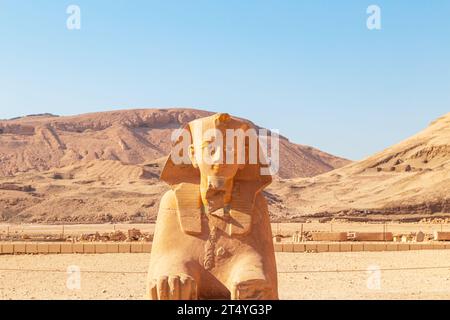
{"type": "Point", "coordinates": [145, 247]}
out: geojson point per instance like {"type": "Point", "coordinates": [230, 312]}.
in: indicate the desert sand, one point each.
{"type": "Point", "coordinates": [301, 275]}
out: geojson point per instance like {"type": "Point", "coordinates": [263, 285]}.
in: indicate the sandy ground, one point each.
{"type": "Point", "coordinates": [301, 276]}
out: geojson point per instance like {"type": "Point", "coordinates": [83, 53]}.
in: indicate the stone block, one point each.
{"type": "Point", "coordinates": [54, 247]}
{"type": "Point", "coordinates": [288, 247]}
{"type": "Point", "coordinates": [113, 248]}
{"type": "Point", "coordinates": [124, 247]}
{"type": "Point", "coordinates": [374, 247]}
{"type": "Point", "coordinates": [89, 247]}
{"type": "Point", "coordinates": [299, 247]}
{"type": "Point", "coordinates": [357, 247]}
{"type": "Point", "coordinates": [329, 236]}
{"type": "Point", "coordinates": [441, 236]}
{"type": "Point", "coordinates": [373, 236]}
{"type": "Point", "coordinates": [31, 247]}
{"type": "Point", "coordinates": [420, 236]}
{"type": "Point", "coordinates": [42, 247]}
{"type": "Point", "coordinates": [427, 246]}
{"type": "Point", "coordinates": [78, 247]}
{"type": "Point", "coordinates": [278, 247]}
{"type": "Point", "coordinates": [19, 247]}
{"type": "Point", "coordinates": [438, 246]}
{"type": "Point", "coordinates": [101, 247]}
{"type": "Point", "coordinates": [415, 246]}
{"type": "Point", "coordinates": [136, 247]}
{"type": "Point", "coordinates": [322, 247]}
{"type": "Point", "coordinates": [391, 247]}
{"type": "Point", "coordinates": [311, 247]}
{"type": "Point", "coordinates": [7, 248]}
{"type": "Point", "coordinates": [345, 247]}
{"type": "Point", "coordinates": [333, 247]}
{"type": "Point", "coordinates": [147, 247]}
{"type": "Point", "coordinates": [67, 247]}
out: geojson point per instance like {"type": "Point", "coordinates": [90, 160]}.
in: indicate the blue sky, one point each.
{"type": "Point", "coordinates": [311, 69]}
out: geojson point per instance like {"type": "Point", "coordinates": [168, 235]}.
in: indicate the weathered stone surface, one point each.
{"type": "Point", "coordinates": [78, 248]}
{"type": "Point", "coordinates": [19, 248]}
{"type": "Point", "coordinates": [89, 247]}
{"type": "Point", "coordinates": [442, 236]}
{"type": "Point", "coordinates": [136, 247]}
{"type": "Point", "coordinates": [213, 205]}
{"type": "Point", "coordinates": [124, 247]}
{"type": "Point", "coordinates": [329, 236]}
{"type": "Point", "coordinates": [113, 248]}
{"type": "Point", "coordinates": [43, 247]}
{"type": "Point", "coordinates": [31, 247]}
{"type": "Point", "coordinates": [54, 247]}
{"type": "Point", "coordinates": [101, 248]}
{"type": "Point", "coordinates": [373, 236]}
{"type": "Point", "coordinates": [420, 236]}
{"type": "Point", "coordinates": [67, 247]}
{"type": "Point", "coordinates": [7, 248]}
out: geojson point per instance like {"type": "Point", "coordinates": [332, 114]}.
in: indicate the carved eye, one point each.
{"type": "Point", "coordinates": [211, 149]}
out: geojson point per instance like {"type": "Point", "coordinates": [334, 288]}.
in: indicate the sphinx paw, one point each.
{"type": "Point", "coordinates": [256, 289]}
{"type": "Point", "coordinates": [173, 287]}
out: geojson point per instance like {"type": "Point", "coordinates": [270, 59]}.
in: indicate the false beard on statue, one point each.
{"type": "Point", "coordinates": [215, 194]}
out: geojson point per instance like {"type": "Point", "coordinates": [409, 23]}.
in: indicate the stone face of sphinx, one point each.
{"type": "Point", "coordinates": [213, 238]}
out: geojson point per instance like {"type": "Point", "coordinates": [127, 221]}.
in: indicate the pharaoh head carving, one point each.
{"type": "Point", "coordinates": [215, 152]}
{"type": "Point", "coordinates": [216, 146]}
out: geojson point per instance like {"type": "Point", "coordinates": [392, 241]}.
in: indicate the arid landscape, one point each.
{"type": "Point", "coordinates": [99, 173]}
{"type": "Point", "coordinates": [225, 150]}
{"type": "Point", "coordinates": [406, 182]}
{"type": "Point", "coordinates": [104, 167]}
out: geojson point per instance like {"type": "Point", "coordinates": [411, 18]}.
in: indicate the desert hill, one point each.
{"type": "Point", "coordinates": [94, 192]}
{"type": "Point", "coordinates": [407, 181]}
{"type": "Point", "coordinates": [104, 167]}
{"type": "Point", "coordinates": [44, 142]}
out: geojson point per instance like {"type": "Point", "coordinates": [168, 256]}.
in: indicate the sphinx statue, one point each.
{"type": "Point", "coordinates": [213, 238]}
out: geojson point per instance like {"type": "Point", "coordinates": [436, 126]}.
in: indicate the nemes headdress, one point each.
{"type": "Point", "coordinates": [175, 173]}
{"type": "Point", "coordinates": [184, 178]}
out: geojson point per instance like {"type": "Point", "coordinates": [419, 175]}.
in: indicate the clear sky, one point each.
{"type": "Point", "coordinates": [310, 68]}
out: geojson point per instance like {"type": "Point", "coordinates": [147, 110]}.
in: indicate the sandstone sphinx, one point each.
{"type": "Point", "coordinates": [213, 238]}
